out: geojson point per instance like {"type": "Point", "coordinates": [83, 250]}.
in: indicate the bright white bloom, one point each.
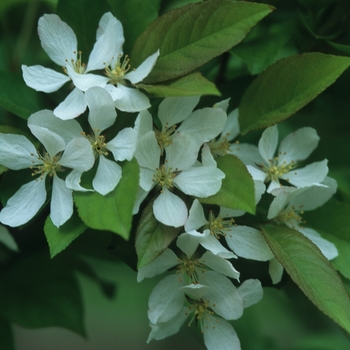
{"type": "Point", "coordinates": [17, 152]}
{"type": "Point", "coordinates": [289, 205]}
{"type": "Point", "coordinates": [168, 296]}
{"type": "Point", "coordinates": [293, 148]}
{"type": "Point", "coordinates": [200, 125]}
{"type": "Point", "coordinates": [102, 115]}
{"type": "Point", "coordinates": [177, 171]}
{"type": "Point", "coordinates": [217, 332]}
{"type": "Point", "coordinates": [223, 145]}
{"type": "Point", "coordinates": [245, 241]}
{"type": "Point", "coordinates": [60, 43]}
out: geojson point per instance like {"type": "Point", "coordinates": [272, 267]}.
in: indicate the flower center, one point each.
{"type": "Point", "coordinates": [188, 268]}
{"type": "Point", "coordinates": [201, 313]}
{"type": "Point", "coordinates": [49, 167]}
{"type": "Point", "coordinates": [217, 225]}
{"type": "Point", "coordinates": [275, 171]}
{"type": "Point", "coordinates": [77, 65]}
{"type": "Point", "coordinates": [293, 217]}
{"type": "Point", "coordinates": [164, 137]}
{"type": "Point", "coordinates": [98, 143]}
{"type": "Point", "coordinates": [164, 177]}
{"type": "Point", "coordinates": [120, 69]}
{"type": "Point", "coordinates": [219, 147]}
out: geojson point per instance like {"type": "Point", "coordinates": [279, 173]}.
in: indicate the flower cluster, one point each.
{"type": "Point", "coordinates": [178, 152]}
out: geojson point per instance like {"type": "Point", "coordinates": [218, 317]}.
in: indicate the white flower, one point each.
{"type": "Point", "coordinates": [293, 148]}
{"type": "Point", "coordinates": [245, 241]}
{"type": "Point", "coordinates": [200, 125]}
{"type": "Point", "coordinates": [177, 171]}
{"type": "Point", "coordinates": [289, 205]}
{"type": "Point", "coordinates": [60, 43]}
{"type": "Point", "coordinates": [168, 296]}
{"type": "Point", "coordinates": [218, 333]}
{"type": "Point", "coordinates": [17, 152]}
{"type": "Point", "coordinates": [223, 145]}
{"type": "Point", "coordinates": [101, 116]}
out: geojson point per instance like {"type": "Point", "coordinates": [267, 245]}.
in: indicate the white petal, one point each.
{"type": "Point", "coordinates": [298, 145]}
{"type": "Point", "coordinates": [222, 104]}
{"type": "Point", "coordinates": [102, 113]}
{"type": "Point", "coordinates": [274, 184]}
{"type": "Point", "coordinates": [248, 242]}
{"type": "Point", "coordinates": [24, 204]}
{"type": "Point", "coordinates": [57, 39]}
{"type": "Point", "coordinates": [173, 110]}
{"type": "Point", "coordinates": [195, 290]}
{"type": "Point", "coordinates": [67, 129]}
{"type": "Point", "coordinates": [166, 299]}
{"type": "Point", "coordinates": [278, 204]}
{"type": "Point", "coordinates": [165, 329]}
{"type": "Point", "coordinates": [142, 70]}
{"type": "Point", "coordinates": [268, 143]}
{"type": "Point", "coordinates": [251, 292]}
{"type": "Point", "coordinates": [143, 123]}
{"type": "Point", "coordinates": [162, 263]}
{"type": "Point", "coordinates": [17, 152]}
{"type": "Point", "coordinates": [275, 270]}
{"type": "Point", "coordinates": [188, 242]}
{"type": "Point", "coordinates": [107, 176]}
{"type": "Point", "coordinates": [140, 196]}
{"type": "Point", "coordinates": [73, 181]}
{"type": "Point", "coordinates": [248, 154]}
{"type": "Point", "coordinates": [219, 334]}
{"type": "Point", "coordinates": [196, 218]}
{"type": "Point", "coordinates": [131, 100]}
{"type": "Point", "coordinates": [169, 209]}
{"type": "Point", "coordinates": [78, 155]}
{"type": "Point", "coordinates": [219, 264]}
{"type": "Point", "coordinates": [72, 106]}
{"type": "Point", "coordinates": [231, 129]}
{"type": "Point", "coordinates": [123, 146]}
{"type": "Point", "coordinates": [103, 24]}
{"type": "Point", "coordinates": [211, 243]}
{"type": "Point", "coordinates": [175, 153]}
{"type": "Point", "coordinates": [7, 239]}
{"type": "Point", "coordinates": [43, 79]}
{"type": "Point", "coordinates": [256, 173]}
{"type": "Point", "coordinates": [207, 157]}
{"type": "Point", "coordinates": [148, 151]}
{"type": "Point", "coordinates": [327, 248]}
{"type": "Point", "coordinates": [61, 202]}
{"type": "Point", "coordinates": [222, 295]}
{"type": "Point", "coordinates": [311, 174]}
{"type": "Point", "coordinates": [86, 81]}
{"type": "Point", "coordinates": [146, 179]}
{"type": "Point", "coordinates": [106, 46]}
{"type": "Point", "coordinates": [312, 197]}
{"type": "Point", "coordinates": [200, 181]}
{"type": "Point", "coordinates": [52, 142]}
{"type": "Point", "coordinates": [204, 124]}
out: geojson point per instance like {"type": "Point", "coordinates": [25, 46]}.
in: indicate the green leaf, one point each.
{"type": "Point", "coordinates": [237, 190]}
{"type": "Point", "coordinates": [37, 292]}
{"type": "Point", "coordinates": [16, 96]}
{"type": "Point", "coordinates": [112, 212]}
{"type": "Point", "coordinates": [311, 271]}
{"type": "Point", "coordinates": [286, 86]}
{"type": "Point", "coordinates": [135, 16]}
{"type": "Point", "coordinates": [83, 17]}
{"type": "Point", "coordinates": [192, 35]}
{"type": "Point", "coordinates": [340, 47]}
{"type": "Point", "coordinates": [152, 237]}
{"type": "Point", "coordinates": [60, 238]}
{"type": "Point", "coordinates": [191, 85]}
{"type": "Point", "coordinates": [332, 221]}
{"type": "Point", "coordinates": [6, 337]}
